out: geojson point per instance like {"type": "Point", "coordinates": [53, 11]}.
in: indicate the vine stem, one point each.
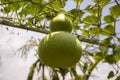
{"type": "Point", "coordinates": [63, 72]}
{"type": "Point", "coordinates": [43, 72]}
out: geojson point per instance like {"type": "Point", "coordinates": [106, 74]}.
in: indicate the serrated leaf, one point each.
{"type": "Point", "coordinates": [110, 75]}
{"type": "Point", "coordinates": [115, 11]}
{"type": "Point", "coordinates": [109, 29]}
{"type": "Point", "coordinates": [91, 19]}
{"type": "Point", "coordinates": [109, 18]}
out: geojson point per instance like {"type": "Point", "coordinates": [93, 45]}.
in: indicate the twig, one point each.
{"type": "Point", "coordinates": [12, 2]}
{"type": "Point", "coordinates": [117, 3]}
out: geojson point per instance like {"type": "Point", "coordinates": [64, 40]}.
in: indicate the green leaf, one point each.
{"type": "Point", "coordinates": [76, 27]}
{"type": "Point", "coordinates": [78, 1]}
{"type": "Point", "coordinates": [118, 39]}
{"type": "Point", "coordinates": [73, 71]}
{"type": "Point", "coordinates": [109, 29]}
{"type": "Point", "coordinates": [98, 56]}
{"type": "Point", "coordinates": [109, 18]}
{"type": "Point", "coordinates": [86, 26]}
{"type": "Point", "coordinates": [102, 2]}
{"type": "Point", "coordinates": [116, 52]}
{"type": "Point", "coordinates": [57, 5]}
{"type": "Point", "coordinates": [118, 78]}
{"type": "Point", "coordinates": [85, 67]}
{"type": "Point", "coordinates": [30, 9]}
{"type": "Point", "coordinates": [91, 19]}
{"type": "Point", "coordinates": [115, 57]}
{"type": "Point", "coordinates": [93, 10]}
{"type": "Point", "coordinates": [95, 30]}
{"type": "Point", "coordinates": [104, 50]}
{"type": "Point", "coordinates": [107, 41]}
{"type": "Point", "coordinates": [115, 11]}
{"type": "Point", "coordinates": [76, 12]}
{"type": "Point", "coordinates": [109, 59]}
{"type": "Point", "coordinates": [110, 75]}
{"type": "Point", "coordinates": [85, 33]}
{"type": "Point", "coordinates": [12, 7]}
{"type": "Point", "coordinates": [87, 45]}
{"type": "Point", "coordinates": [37, 1]}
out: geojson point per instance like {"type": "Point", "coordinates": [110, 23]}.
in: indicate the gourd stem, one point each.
{"type": "Point", "coordinates": [61, 11]}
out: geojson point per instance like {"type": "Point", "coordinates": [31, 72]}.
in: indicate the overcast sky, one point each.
{"type": "Point", "coordinates": [16, 68]}
{"type": "Point", "coordinates": [13, 66]}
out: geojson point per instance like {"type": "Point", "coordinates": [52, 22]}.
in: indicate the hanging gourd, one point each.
{"type": "Point", "coordinates": [60, 49]}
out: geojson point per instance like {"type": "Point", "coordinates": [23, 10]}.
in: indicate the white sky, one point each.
{"type": "Point", "coordinates": [15, 68]}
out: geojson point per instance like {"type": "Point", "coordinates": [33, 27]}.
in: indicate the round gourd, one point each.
{"type": "Point", "coordinates": [59, 49]}
{"type": "Point", "coordinates": [61, 23]}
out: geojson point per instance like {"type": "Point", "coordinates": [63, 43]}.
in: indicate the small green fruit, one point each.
{"type": "Point", "coordinates": [61, 23]}
{"type": "Point", "coordinates": [59, 49]}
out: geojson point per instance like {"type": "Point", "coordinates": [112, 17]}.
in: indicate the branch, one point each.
{"type": "Point", "coordinates": [21, 26]}
{"type": "Point", "coordinates": [117, 3]}
{"type": "Point", "coordinates": [12, 2]}
{"type": "Point", "coordinates": [92, 41]}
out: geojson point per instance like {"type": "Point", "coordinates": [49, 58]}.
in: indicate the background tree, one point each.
{"type": "Point", "coordinates": [97, 32]}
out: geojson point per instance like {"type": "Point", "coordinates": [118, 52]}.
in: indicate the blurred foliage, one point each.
{"type": "Point", "coordinates": [98, 32]}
